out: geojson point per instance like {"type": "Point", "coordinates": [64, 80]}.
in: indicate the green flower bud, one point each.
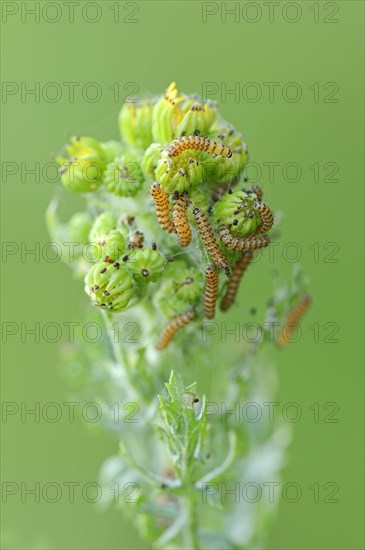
{"type": "Point", "coordinates": [124, 176]}
{"type": "Point", "coordinates": [180, 173]}
{"type": "Point", "coordinates": [237, 211]}
{"type": "Point", "coordinates": [111, 245]}
{"type": "Point", "coordinates": [79, 227]}
{"type": "Point", "coordinates": [222, 169]}
{"type": "Point", "coordinates": [87, 148]}
{"type": "Point", "coordinates": [135, 123]}
{"type": "Point", "coordinates": [83, 172]}
{"type": "Point", "coordinates": [199, 117]}
{"type": "Point", "coordinates": [102, 225]}
{"type": "Point", "coordinates": [200, 198]}
{"type": "Point", "coordinates": [112, 149]}
{"type": "Point", "coordinates": [218, 169]}
{"type": "Point", "coordinates": [150, 160]}
{"type": "Point", "coordinates": [146, 264]}
{"type": "Point", "coordinates": [192, 167]}
{"type": "Point", "coordinates": [181, 289]}
{"type": "Point", "coordinates": [82, 176]}
{"type": "Point", "coordinates": [167, 115]}
{"type": "Point", "coordinates": [109, 286]}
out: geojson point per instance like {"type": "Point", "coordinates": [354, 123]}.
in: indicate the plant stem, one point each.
{"type": "Point", "coordinates": [192, 521]}
{"type": "Point", "coordinates": [121, 358]}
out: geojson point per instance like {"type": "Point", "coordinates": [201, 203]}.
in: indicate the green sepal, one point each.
{"type": "Point", "coordinates": [135, 123]}
{"type": "Point", "coordinates": [102, 225]}
{"type": "Point", "coordinates": [182, 289]}
{"type": "Point", "coordinates": [146, 264]}
{"type": "Point", "coordinates": [124, 176]}
{"type": "Point", "coordinates": [237, 211]}
{"type": "Point", "coordinates": [109, 286]}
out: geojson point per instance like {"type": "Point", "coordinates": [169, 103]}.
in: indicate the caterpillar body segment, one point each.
{"type": "Point", "coordinates": [210, 293]}
{"type": "Point", "coordinates": [179, 219]}
{"type": "Point", "coordinates": [241, 244]}
{"type": "Point", "coordinates": [293, 319]}
{"type": "Point", "coordinates": [234, 280]}
{"type": "Point", "coordinates": [258, 192]}
{"type": "Point", "coordinates": [161, 202]}
{"type": "Point", "coordinates": [172, 327]}
{"type": "Point", "coordinates": [209, 240]}
{"type": "Point", "coordinates": [198, 143]}
{"type": "Point", "coordinates": [266, 217]}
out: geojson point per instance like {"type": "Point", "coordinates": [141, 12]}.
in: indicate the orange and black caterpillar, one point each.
{"type": "Point", "coordinates": [258, 191]}
{"type": "Point", "coordinates": [293, 319]}
{"type": "Point", "coordinates": [210, 293]}
{"type": "Point", "coordinates": [241, 244]}
{"type": "Point", "coordinates": [172, 327]}
{"type": "Point", "coordinates": [266, 216]}
{"type": "Point", "coordinates": [234, 280]}
{"type": "Point", "coordinates": [161, 201]}
{"type": "Point", "coordinates": [198, 143]}
{"type": "Point", "coordinates": [179, 219]}
{"type": "Point", "coordinates": [209, 240]}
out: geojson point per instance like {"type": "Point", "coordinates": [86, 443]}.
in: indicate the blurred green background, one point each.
{"type": "Point", "coordinates": [169, 41]}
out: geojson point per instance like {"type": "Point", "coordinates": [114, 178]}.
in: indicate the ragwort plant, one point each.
{"type": "Point", "coordinates": [169, 228]}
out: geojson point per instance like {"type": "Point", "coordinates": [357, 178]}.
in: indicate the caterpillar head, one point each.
{"type": "Point", "coordinates": [237, 210]}
{"type": "Point", "coordinates": [109, 286]}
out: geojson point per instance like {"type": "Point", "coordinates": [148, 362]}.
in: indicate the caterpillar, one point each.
{"type": "Point", "coordinates": [172, 327]}
{"type": "Point", "coordinates": [198, 143]}
{"type": "Point", "coordinates": [266, 217]}
{"type": "Point", "coordinates": [210, 293]}
{"type": "Point", "coordinates": [209, 240]}
{"type": "Point", "coordinates": [258, 191]}
{"type": "Point", "coordinates": [135, 240]}
{"type": "Point", "coordinates": [293, 319]}
{"type": "Point", "coordinates": [234, 280]}
{"type": "Point", "coordinates": [180, 222]}
{"type": "Point", "coordinates": [242, 244]}
{"type": "Point", "coordinates": [161, 202]}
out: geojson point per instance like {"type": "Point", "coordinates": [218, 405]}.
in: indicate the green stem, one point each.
{"type": "Point", "coordinates": [189, 500]}
{"type": "Point", "coordinates": [192, 521]}
{"type": "Point", "coordinates": [121, 358]}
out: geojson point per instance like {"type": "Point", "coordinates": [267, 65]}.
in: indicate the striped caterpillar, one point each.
{"type": "Point", "coordinates": [241, 244]}
{"type": "Point", "coordinates": [293, 319]}
{"type": "Point", "coordinates": [266, 216]}
{"type": "Point", "coordinates": [172, 327]}
{"type": "Point", "coordinates": [209, 240]}
{"type": "Point", "coordinates": [161, 201]}
{"type": "Point", "coordinates": [179, 219]}
{"type": "Point", "coordinates": [258, 192]}
{"type": "Point", "coordinates": [198, 143]}
{"type": "Point", "coordinates": [234, 280]}
{"type": "Point", "coordinates": [210, 293]}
